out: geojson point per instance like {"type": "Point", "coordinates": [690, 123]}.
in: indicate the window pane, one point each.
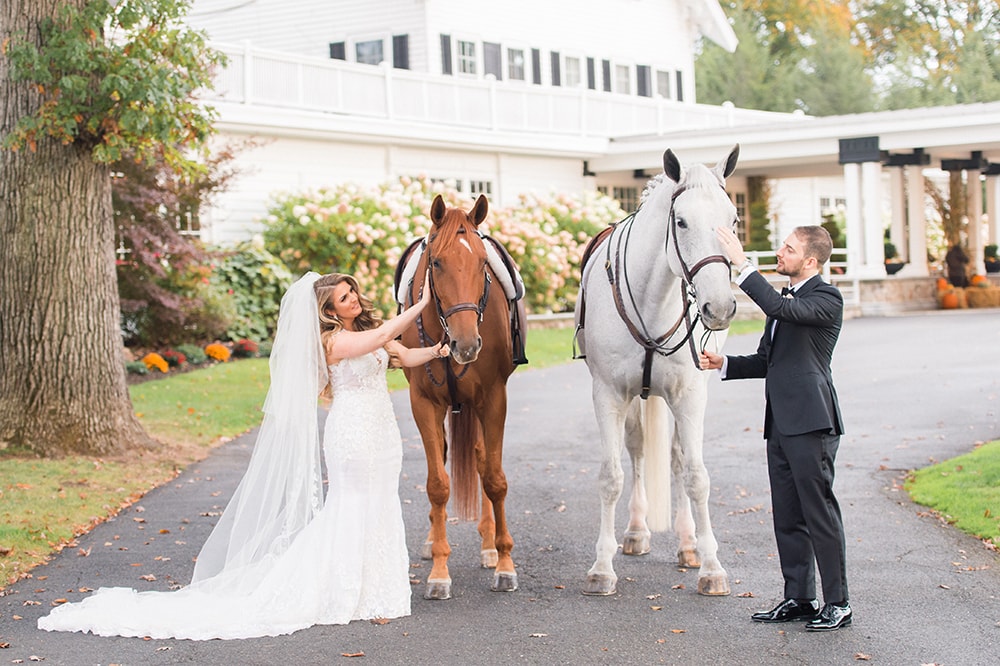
{"type": "Point", "coordinates": [369, 53]}
{"type": "Point", "coordinates": [466, 57]}
{"type": "Point", "coordinates": [663, 84]}
{"type": "Point", "coordinates": [623, 83]}
{"type": "Point", "coordinates": [515, 64]}
{"type": "Point", "coordinates": [572, 72]}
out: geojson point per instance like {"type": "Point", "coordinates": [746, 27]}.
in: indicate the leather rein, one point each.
{"type": "Point", "coordinates": [640, 333]}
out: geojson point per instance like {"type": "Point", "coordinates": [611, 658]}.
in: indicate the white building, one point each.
{"type": "Point", "coordinates": [562, 95]}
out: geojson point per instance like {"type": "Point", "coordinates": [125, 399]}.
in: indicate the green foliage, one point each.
{"type": "Point", "coordinates": [136, 368]}
{"type": "Point", "coordinates": [253, 280]}
{"type": "Point", "coordinates": [990, 252]}
{"type": "Point", "coordinates": [890, 250]}
{"type": "Point", "coordinates": [117, 77]}
{"type": "Point", "coordinates": [365, 231]}
{"type": "Point", "coordinates": [195, 354]}
{"type": "Point", "coordinates": [759, 233]}
{"type": "Point", "coordinates": [965, 490]}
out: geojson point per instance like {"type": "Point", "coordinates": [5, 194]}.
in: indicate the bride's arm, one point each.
{"type": "Point", "coordinates": [349, 344]}
{"type": "Point", "coordinates": [409, 357]}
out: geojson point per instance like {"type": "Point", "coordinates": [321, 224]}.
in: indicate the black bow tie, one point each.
{"type": "Point", "coordinates": [786, 291]}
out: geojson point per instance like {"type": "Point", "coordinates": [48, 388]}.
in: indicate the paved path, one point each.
{"type": "Point", "coordinates": [913, 389]}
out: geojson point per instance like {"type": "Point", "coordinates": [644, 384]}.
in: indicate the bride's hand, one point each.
{"type": "Point", "coordinates": [425, 291]}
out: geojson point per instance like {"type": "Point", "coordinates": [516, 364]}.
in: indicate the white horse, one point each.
{"type": "Point", "coordinates": [656, 288]}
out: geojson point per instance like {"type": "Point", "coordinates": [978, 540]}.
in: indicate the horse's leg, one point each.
{"type": "Point", "coordinates": [601, 579]}
{"type": "Point", "coordinates": [637, 535]}
{"type": "Point", "coordinates": [429, 418]}
{"type": "Point", "coordinates": [493, 413]}
{"type": "Point", "coordinates": [487, 524]}
{"type": "Point", "coordinates": [684, 528]}
{"type": "Point", "coordinates": [690, 420]}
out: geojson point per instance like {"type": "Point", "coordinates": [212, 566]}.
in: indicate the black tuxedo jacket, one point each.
{"type": "Point", "coordinates": [795, 364]}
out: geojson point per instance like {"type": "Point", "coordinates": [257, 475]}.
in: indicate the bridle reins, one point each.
{"type": "Point", "coordinates": [640, 333]}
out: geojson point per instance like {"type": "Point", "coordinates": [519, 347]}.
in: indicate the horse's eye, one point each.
{"type": "Point", "coordinates": [682, 223]}
{"type": "Point", "coordinates": [435, 264]}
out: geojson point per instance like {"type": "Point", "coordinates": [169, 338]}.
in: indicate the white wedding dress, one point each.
{"type": "Point", "coordinates": [348, 562]}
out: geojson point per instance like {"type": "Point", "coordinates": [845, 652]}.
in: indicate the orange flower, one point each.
{"type": "Point", "coordinates": [154, 360]}
{"type": "Point", "coordinates": [217, 351]}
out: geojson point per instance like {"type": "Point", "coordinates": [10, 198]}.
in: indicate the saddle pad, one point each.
{"type": "Point", "coordinates": [507, 274]}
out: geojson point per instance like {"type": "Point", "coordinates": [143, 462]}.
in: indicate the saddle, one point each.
{"type": "Point", "coordinates": [584, 260]}
{"type": "Point", "coordinates": [503, 267]}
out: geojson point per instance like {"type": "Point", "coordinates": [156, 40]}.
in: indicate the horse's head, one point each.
{"type": "Point", "coordinates": [699, 205]}
{"type": "Point", "coordinates": [459, 282]}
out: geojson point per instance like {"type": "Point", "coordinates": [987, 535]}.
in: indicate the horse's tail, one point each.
{"type": "Point", "coordinates": [657, 443]}
{"type": "Point", "coordinates": [465, 433]}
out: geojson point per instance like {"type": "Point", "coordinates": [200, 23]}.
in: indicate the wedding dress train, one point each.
{"type": "Point", "coordinates": [348, 562]}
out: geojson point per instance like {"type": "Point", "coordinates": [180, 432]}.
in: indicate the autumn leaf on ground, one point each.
{"type": "Point", "coordinates": [352, 654]}
{"type": "Point", "coordinates": [149, 577]}
{"type": "Point", "coordinates": [745, 595]}
{"type": "Point", "coordinates": [678, 631]}
{"type": "Point", "coordinates": [861, 656]}
{"type": "Point", "coordinates": [656, 608]}
{"type": "Point", "coordinates": [380, 620]}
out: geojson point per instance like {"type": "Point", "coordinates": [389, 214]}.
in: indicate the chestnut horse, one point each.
{"type": "Point", "coordinates": [471, 384]}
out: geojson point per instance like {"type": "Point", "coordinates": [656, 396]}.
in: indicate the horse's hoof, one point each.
{"type": "Point", "coordinates": [688, 559]}
{"type": "Point", "coordinates": [489, 558]}
{"type": "Point", "coordinates": [600, 585]}
{"type": "Point", "coordinates": [439, 590]}
{"type": "Point", "coordinates": [425, 551]}
{"type": "Point", "coordinates": [714, 586]}
{"type": "Point", "coordinates": [635, 543]}
{"type": "Point", "coordinates": [504, 582]}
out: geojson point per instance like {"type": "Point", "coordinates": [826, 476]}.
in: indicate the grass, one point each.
{"type": "Point", "coordinates": [964, 491]}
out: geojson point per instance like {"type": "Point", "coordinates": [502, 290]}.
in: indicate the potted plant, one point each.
{"type": "Point", "coordinates": [892, 262]}
{"type": "Point", "coordinates": [991, 259]}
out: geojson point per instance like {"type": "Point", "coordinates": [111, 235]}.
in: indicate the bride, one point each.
{"type": "Point", "coordinates": [281, 558]}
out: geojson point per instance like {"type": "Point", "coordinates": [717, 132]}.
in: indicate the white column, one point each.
{"type": "Point", "coordinates": [992, 200]}
{"type": "Point", "coordinates": [915, 215]}
{"type": "Point", "coordinates": [897, 202]}
{"type": "Point", "coordinates": [872, 227]}
{"type": "Point", "coordinates": [852, 218]}
{"type": "Point", "coordinates": [974, 186]}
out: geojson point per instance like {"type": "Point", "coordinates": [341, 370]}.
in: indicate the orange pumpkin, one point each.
{"type": "Point", "coordinates": [949, 300]}
{"type": "Point", "coordinates": [942, 284]}
{"type": "Point", "coordinates": [978, 280]}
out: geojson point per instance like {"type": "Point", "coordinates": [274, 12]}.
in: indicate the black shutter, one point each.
{"type": "Point", "coordinates": [606, 71]}
{"type": "Point", "coordinates": [536, 67]}
{"type": "Point", "coordinates": [643, 87]}
{"type": "Point", "coordinates": [401, 51]}
{"type": "Point", "coordinates": [491, 60]}
{"type": "Point", "coordinates": [680, 86]}
{"type": "Point", "coordinates": [338, 51]}
{"type": "Point", "coordinates": [556, 75]}
{"type": "Point", "coordinates": [591, 75]}
{"type": "Point", "coordinates": [446, 54]}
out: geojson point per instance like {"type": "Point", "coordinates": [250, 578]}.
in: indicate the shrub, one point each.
{"type": "Point", "coordinates": [174, 358]}
{"type": "Point", "coordinates": [264, 349]}
{"type": "Point", "coordinates": [364, 231]}
{"type": "Point", "coordinates": [244, 348]}
{"type": "Point", "coordinates": [136, 368]}
{"type": "Point", "coordinates": [217, 351]}
{"type": "Point", "coordinates": [195, 355]}
{"type": "Point", "coordinates": [253, 280]}
{"type": "Point", "coordinates": [154, 360]}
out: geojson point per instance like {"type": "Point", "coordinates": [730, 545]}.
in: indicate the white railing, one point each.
{"type": "Point", "coordinates": [270, 78]}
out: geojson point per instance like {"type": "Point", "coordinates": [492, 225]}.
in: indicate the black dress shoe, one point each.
{"type": "Point", "coordinates": [831, 618]}
{"type": "Point", "coordinates": [789, 610]}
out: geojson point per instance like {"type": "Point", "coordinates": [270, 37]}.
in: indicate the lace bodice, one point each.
{"type": "Point", "coordinates": [362, 373]}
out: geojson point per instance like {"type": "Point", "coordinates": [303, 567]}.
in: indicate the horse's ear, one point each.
{"type": "Point", "coordinates": [479, 211]}
{"type": "Point", "coordinates": [730, 163]}
{"type": "Point", "coordinates": [437, 210]}
{"type": "Point", "coordinates": [671, 166]}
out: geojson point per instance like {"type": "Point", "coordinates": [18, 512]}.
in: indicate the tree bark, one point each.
{"type": "Point", "coordinates": [62, 378]}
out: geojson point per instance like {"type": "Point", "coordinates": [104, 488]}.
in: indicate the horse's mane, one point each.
{"type": "Point", "coordinates": [693, 177]}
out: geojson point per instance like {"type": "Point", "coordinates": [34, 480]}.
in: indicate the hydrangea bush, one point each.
{"type": "Point", "coordinates": [363, 231]}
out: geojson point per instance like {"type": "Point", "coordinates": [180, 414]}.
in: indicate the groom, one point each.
{"type": "Point", "coordinates": [802, 422]}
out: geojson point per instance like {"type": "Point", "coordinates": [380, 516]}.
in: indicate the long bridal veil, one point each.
{"type": "Point", "coordinates": [282, 489]}
{"type": "Point", "coordinates": [240, 583]}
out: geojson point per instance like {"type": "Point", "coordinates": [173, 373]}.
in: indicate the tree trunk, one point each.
{"type": "Point", "coordinates": [62, 379]}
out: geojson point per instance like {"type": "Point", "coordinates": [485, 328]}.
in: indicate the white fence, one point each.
{"type": "Point", "coordinates": [270, 78]}
{"type": "Point", "coordinates": [834, 272]}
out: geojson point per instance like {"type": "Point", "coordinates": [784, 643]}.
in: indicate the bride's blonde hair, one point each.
{"type": "Point", "coordinates": [329, 322]}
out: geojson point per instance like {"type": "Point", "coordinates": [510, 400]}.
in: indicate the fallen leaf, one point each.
{"type": "Point", "coordinates": [83, 552]}
{"type": "Point", "coordinates": [745, 595]}
{"type": "Point", "coordinates": [380, 620]}
{"type": "Point", "coordinates": [657, 608]}
{"type": "Point", "coordinates": [16, 617]}
{"type": "Point", "coordinates": [4, 646]}
{"type": "Point", "coordinates": [32, 602]}
{"type": "Point", "coordinates": [352, 654]}
{"type": "Point", "coordinates": [560, 587]}
{"type": "Point", "coordinates": [149, 577]}
{"type": "Point", "coordinates": [36, 658]}
{"type": "Point", "coordinates": [944, 587]}
{"type": "Point", "coordinates": [861, 656]}
{"type": "Point", "coordinates": [58, 602]}
{"type": "Point", "coordinates": [163, 648]}
{"type": "Point", "coordinates": [679, 586]}
{"type": "Point", "coordinates": [164, 531]}
{"type": "Point", "coordinates": [653, 596]}
{"type": "Point", "coordinates": [678, 631]}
